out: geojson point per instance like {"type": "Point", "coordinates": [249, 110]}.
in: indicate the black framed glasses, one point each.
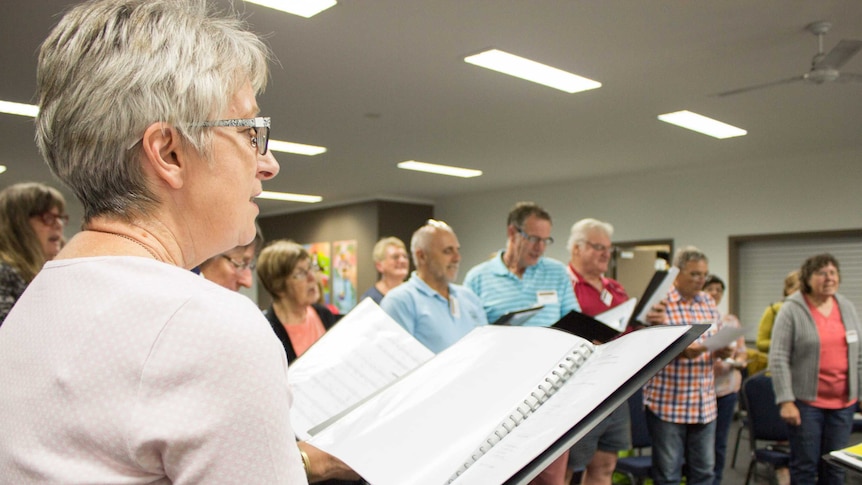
{"type": "Point", "coordinates": [535, 239]}
{"type": "Point", "coordinates": [240, 265]}
{"type": "Point", "coordinates": [49, 218]}
{"type": "Point", "coordinates": [261, 127]}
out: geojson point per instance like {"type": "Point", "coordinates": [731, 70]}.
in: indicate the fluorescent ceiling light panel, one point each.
{"type": "Point", "coordinates": [2, 168]}
{"type": "Point", "coordinates": [510, 64]}
{"type": "Point", "coordinates": [288, 197]}
{"type": "Point", "coordinates": [702, 124]}
{"type": "Point", "coordinates": [19, 109]}
{"type": "Point", "coordinates": [303, 8]}
{"type": "Point", "coordinates": [439, 169]}
{"type": "Point", "coordinates": [297, 148]}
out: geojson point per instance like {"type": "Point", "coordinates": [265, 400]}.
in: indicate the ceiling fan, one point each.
{"type": "Point", "coordinates": [824, 66]}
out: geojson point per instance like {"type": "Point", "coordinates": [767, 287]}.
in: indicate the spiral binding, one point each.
{"type": "Point", "coordinates": [548, 386]}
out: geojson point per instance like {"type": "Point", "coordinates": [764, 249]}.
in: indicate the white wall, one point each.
{"type": "Point", "coordinates": [699, 207]}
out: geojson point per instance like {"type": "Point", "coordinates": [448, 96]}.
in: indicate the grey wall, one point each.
{"type": "Point", "coordinates": [365, 222]}
{"type": "Point", "coordinates": [693, 207]}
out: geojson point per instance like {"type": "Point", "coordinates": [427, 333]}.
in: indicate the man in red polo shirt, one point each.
{"type": "Point", "coordinates": [591, 251]}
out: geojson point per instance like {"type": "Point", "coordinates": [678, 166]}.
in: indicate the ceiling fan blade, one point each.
{"type": "Point", "coordinates": [759, 86]}
{"type": "Point", "coordinates": [839, 54]}
{"type": "Point", "coordinates": [849, 77]}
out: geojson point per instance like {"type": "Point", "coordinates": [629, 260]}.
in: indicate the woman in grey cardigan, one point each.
{"type": "Point", "coordinates": [816, 370]}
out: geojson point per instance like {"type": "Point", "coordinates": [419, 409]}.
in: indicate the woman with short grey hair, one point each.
{"type": "Point", "coordinates": [119, 365]}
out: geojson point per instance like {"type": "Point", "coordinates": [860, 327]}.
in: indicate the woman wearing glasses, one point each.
{"type": "Point", "coordinates": [118, 364]}
{"type": "Point", "coordinates": [234, 269]}
{"type": "Point", "coordinates": [288, 274]}
{"type": "Point", "coordinates": [32, 218]}
{"type": "Point", "coordinates": [816, 368]}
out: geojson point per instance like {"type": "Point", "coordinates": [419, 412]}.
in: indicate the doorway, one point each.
{"type": "Point", "coordinates": [633, 263]}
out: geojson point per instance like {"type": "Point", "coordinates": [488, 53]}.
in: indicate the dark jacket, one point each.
{"type": "Point", "coordinates": [325, 315]}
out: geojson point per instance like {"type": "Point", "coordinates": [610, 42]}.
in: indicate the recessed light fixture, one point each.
{"type": "Point", "coordinates": [439, 169]}
{"type": "Point", "coordinates": [2, 168]}
{"type": "Point", "coordinates": [702, 124]}
{"type": "Point", "coordinates": [513, 65]}
{"type": "Point", "coordinates": [19, 109]}
{"type": "Point", "coordinates": [297, 148]}
{"type": "Point", "coordinates": [303, 8]}
{"type": "Point", "coordinates": [288, 197]}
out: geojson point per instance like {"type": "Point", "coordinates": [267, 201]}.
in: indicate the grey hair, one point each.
{"type": "Point", "coordinates": [687, 254]}
{"type": "Point", "coordinates": [582, 228]}
{"type": "Point", "coordinates": [422, 237]}
{"type": "Point", "coordinates": [111, 68]}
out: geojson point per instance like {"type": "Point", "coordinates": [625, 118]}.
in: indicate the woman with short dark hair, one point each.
{"type": "Point", "coordinates": [817, 370]}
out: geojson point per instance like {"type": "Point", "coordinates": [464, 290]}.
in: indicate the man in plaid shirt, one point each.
{"type": "Point", "coordinates": [680, 399]}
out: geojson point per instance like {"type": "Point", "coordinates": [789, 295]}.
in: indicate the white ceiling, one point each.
{"type": "Point", "coordinates": [382, 81]}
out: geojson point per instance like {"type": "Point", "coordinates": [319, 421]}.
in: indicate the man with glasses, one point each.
{"type": "Point", "coordinates": [520, 276]}
{"type": "Point", "coordinates": [430, 305]}
{"type": "Point", "coordinates": [591, 251]}
{"type": "Point", "coordinates": [680, 400]}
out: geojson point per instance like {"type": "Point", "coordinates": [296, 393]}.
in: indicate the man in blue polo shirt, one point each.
{"type": "Point", "coordinates": [429, 305]}
{"type": "Point", "coordinates": [519, 277]}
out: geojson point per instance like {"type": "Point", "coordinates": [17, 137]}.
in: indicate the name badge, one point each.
{"type": "Point", "coordinates": [607, 298]}
{"type": "Point", "coordinates": [852, 337]}
{"type": "Point", "coordinates": [547, 297]}
{"type": "Point", "coordinates": [454, 307]}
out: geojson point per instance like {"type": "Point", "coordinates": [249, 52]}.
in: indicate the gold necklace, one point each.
{"type": "Point", "coordinates": [139, 243]}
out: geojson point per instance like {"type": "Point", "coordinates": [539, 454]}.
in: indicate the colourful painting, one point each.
{"type": "Point", "coordinates": [344, 275]}
{"type": "Point", "coordinates": [320, 258]}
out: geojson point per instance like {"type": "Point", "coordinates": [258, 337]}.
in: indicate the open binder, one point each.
{"type": "Point", "coordinates": [518, 317]}
{"type": "Point", "coordinates": [655, 291]}
{"type": "Point", "coordinates": [497, 406]}
{"type": "Point", "coordinates": [604, 327]}
{"type": "Point", "coordinates": [609, 324]}
{"type": "Point", "coordinates": [850, 457]}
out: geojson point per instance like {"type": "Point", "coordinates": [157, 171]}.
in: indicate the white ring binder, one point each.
{"type": "Point", "coordinates": [555, 379]}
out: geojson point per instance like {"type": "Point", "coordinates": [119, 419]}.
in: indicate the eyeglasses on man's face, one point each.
{"type": "Point", "coordinates": [50, 218]}
{"type": "Point", "coordinates": [261, 125]}
{"type": "Point", "coordinates": [601, 247]}
{"type": "Point", "coordinates": [535, 239]}
{"type": "Point", "coordinates": [239, 265]}
{"type": "Point", "coordinates": [697, 275]}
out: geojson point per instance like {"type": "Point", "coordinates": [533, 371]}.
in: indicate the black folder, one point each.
{"type": "Point", "coordinates": [586, 327]}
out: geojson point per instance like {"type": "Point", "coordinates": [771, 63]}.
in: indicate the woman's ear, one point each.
{"type": "Point", "coordinates": [166, 155]}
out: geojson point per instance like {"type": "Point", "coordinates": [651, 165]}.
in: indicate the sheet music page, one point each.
{"type": "Point", "coordinates": [618, 317]}
{"type": "Point", "coordinates": [424, 427]}
{"type": "Point", "coordinates": [723, 337]}
{"type": "Point", "coordinates": [364, 352]}
{"type": "Point", "coordinates": [659, 294]}
{"type": "Point", "coordinates": [609, 367]}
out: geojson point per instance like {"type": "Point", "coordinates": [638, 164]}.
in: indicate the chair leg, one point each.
{"type": "Point", "coordinates": [736, 446]}
{"type": "Point", "coordinates": [751, 470]}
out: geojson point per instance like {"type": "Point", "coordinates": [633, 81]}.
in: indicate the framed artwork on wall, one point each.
{"type": "Point", "coordinates": [344, 275]}
{"type": "Point", "coordinates": [321, 259]}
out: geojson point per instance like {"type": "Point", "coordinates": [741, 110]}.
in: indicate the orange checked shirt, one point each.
{"type": "Point", "coordinates": [684, 391]}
